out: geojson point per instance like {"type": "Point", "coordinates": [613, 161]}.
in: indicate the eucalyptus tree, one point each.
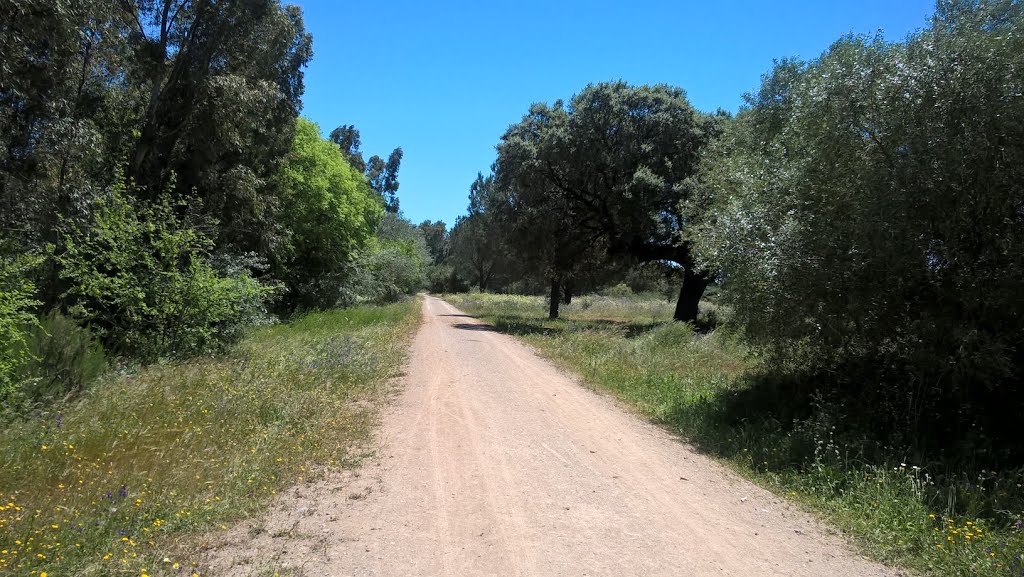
{"type": "Point", "coordinates": [218, 86]}
{"type": "Point", "coordinates": [382, 174]}
{"type": "Point", "coordinates": [383, 177]}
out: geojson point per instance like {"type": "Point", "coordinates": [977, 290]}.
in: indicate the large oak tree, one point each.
{"type": "Point", "coordinates": [616, 167]}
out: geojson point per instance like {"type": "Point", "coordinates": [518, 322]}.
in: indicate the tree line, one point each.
{"type": "Point", "coordinates": [159, 191]}
{"type": "Point", "coordinates": [862, 214]}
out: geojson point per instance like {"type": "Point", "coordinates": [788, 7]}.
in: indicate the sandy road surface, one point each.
{"type": "Point", "coordinates": [492, 462]}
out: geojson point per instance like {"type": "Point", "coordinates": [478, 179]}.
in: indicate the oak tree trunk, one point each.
{"type": "Point", "coordinates": [556, 291]}
{"type": "Point", "coordinates": [567, 292]}
{"type": "Point", "coordinates": [689, 295]}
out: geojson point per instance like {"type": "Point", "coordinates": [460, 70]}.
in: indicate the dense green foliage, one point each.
{"type": "Point", "coordinates": [16, 301]}
{"type": "Point", "coordinates": [870, 227]}
{"type": "Point", "coordinates": [331, 214]}
{"type": "Point", "coordinates": [152, 157]}
{"type": "Point", "coordinates": [142, 277]}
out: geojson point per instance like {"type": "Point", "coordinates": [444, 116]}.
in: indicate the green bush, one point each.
{"type": "Point", "coordinates": [331, 214]}
{"type": "Point", "coordinates": [870, 227]}
{"type": "Point", "coordinates": [619, 290]}
{"type": "Point", "coordinates": [16, 301]}
{"type": "Point", "coordinates": [142, 276]}
{"type": "Point", "coordinates": [63, 358]}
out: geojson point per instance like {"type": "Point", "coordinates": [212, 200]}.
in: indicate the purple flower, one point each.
{"type": "Point", "coordinates": [123, 491]}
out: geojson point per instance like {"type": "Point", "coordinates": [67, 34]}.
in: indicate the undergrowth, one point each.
{"type": "Point", "coordinates": [712, 390]}
{"type": "Point", "coordinates": [116, 482]}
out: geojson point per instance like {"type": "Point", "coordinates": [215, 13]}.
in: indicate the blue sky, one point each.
{"type": "Point", "coordinates": [443, 80]}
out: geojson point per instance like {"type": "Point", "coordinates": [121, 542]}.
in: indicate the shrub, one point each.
{"type": "Point", "coordinates": [63, 358]}
{"type": "Point", "coordinates": [16, 302]}
{"type": "Point", "coordinates": [141, 274]}
{"type": "Point", "coordinates": [871, 230]}
{"type": "Point", "coordinates": [619, 290]}
{"type": "Point", "coordinates": [331, 214]}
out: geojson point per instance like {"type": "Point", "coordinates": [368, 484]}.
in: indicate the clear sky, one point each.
{"type": "Point", "coordinates": [443, 80]}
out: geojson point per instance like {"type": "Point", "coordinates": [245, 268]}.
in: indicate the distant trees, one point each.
{"type": "Point", "coordinates": [394, 264]}
{"type": "Point", "coordinates": [477, 239]}
{"type": "Point", "coordinates": [435, 235]}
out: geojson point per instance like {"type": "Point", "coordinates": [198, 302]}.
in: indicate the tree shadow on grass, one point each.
{"type": "Point", "coordinates": [525, 326]}
{"type": "Point", "coordinates": [783, 426]}
{"type": "Point", "coordinates": [754, 419]}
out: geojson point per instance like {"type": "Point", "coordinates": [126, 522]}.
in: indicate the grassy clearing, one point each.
{"type": "Point", "coordinates": [115, 483]}
{"type": "Point", "coordinates": [707, 389]}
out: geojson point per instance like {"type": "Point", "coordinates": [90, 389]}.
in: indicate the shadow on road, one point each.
{"type": "Point", "coordinates": [475, 327]}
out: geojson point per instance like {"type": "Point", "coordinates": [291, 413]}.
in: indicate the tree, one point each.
{"type": "Point", "coordinates": [330, 214]}
{"type": "Point", "coordinates": [219, 86]}
{"type": "Point", "coordinates": [435, 234]}
{"type": "Point", "coordinates": [618, 162]}
{"type": "Point", "coordinates": [347, 138]}
{"type": "Point", "coordinates": [53, 86]}
{"type": "Point", "coordinates": [545, 229]}
{"type": "Point", "coordinates": [870, 224]}
{"type": "Point", "coordinates": [477, 242]}
{"type": "Point", "coordinates": [382, 175]}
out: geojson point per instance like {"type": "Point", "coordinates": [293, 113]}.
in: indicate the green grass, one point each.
{"type": "Point", "coordinates": [120, 481]}
{"type": "Point", "coordinates": [710, 389]}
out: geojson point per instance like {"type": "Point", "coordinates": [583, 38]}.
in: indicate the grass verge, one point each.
{"type": "Point", "coordinates": [115, 482]}
{"type": "Point", "coordinates": [706, 388]}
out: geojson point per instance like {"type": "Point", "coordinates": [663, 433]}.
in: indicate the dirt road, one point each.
{"type": "Point", "coordinates": [492, 462]}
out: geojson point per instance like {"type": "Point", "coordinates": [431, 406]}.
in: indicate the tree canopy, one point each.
{"type": "Point", "coordinates": [869, 218]}
{"type": "Point", "coordinates": [330, 213]}
{"type": "Point", "coordinates": [613, 168]}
